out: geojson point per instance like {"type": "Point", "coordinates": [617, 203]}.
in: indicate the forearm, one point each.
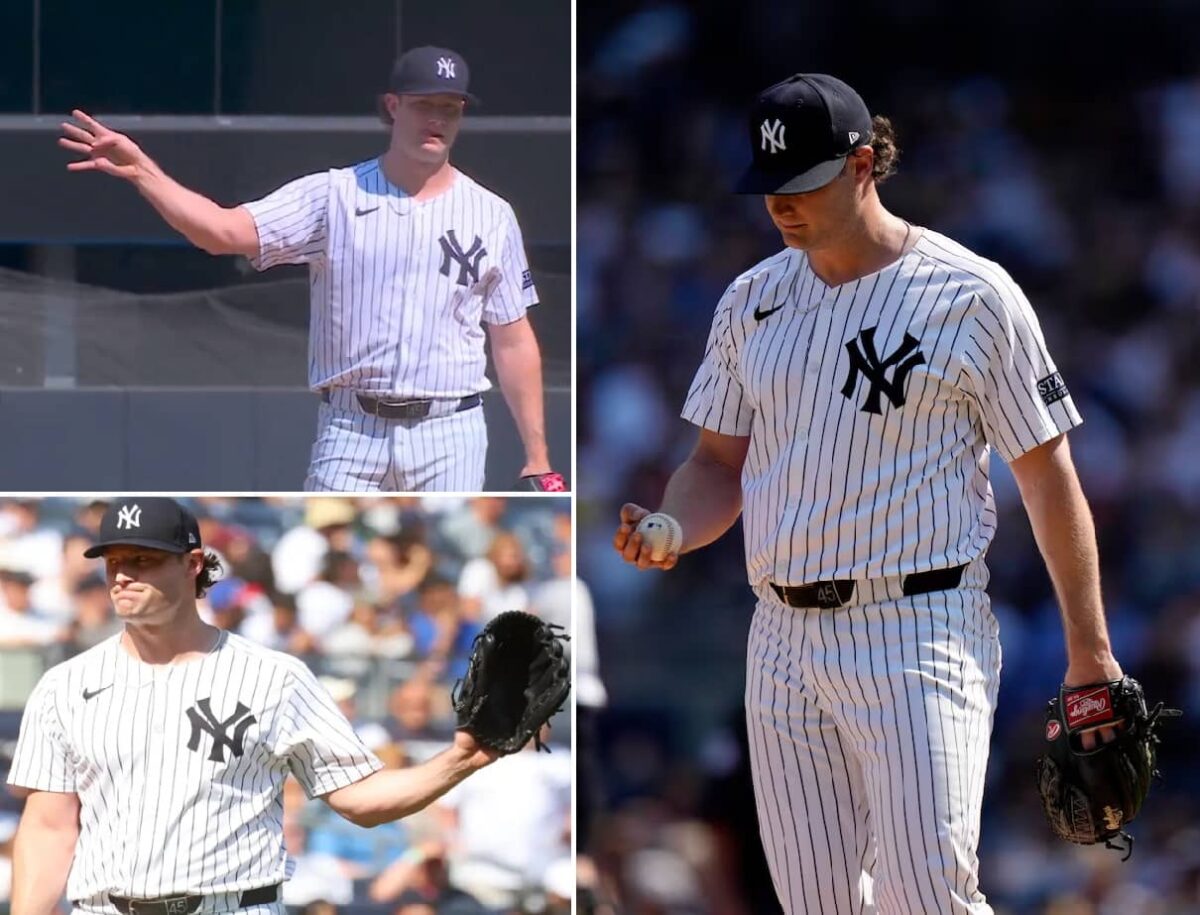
{"type": "Point", "coordinates": [41, 863]}
{"type": "Point", "coordinates": [519, 369]}
{"type": "Point", "coordinates": [705, 497]}
{"type": "Point", "coordinates": [201, 221]}
{"type": "Point", "coordinates": [392, 794]}
{"type": "Point", "coordinates": [1066, 535]}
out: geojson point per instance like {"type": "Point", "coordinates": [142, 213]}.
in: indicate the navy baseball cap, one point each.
{"type": "Point", "coordinates": [429, 71]}
{"type": "Point", "coordinates": [801, 131]}
{"type": "Point", "coordinates": [156, 523]}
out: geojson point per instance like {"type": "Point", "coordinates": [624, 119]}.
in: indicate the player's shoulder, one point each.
{"type": "Point", "coordinates": [81, 666]}
{"type": "Point", "coordinates": [977, 275]}
{"type": "Point", "coordinates": [743, 293]}
{"type": "Point", "coordinates": [465, 184]}
{"type": "Point", "coordinates": [268, 659]}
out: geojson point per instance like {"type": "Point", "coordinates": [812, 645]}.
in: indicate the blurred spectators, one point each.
{"type": "Point", "coordinates": [508, 825]}
{"type": "Point", "coordinates": [1084, 183]}
{"type": "Point", "coordinates": [363, 590]}
{"type": "Point", "coordinates": [494, 584]}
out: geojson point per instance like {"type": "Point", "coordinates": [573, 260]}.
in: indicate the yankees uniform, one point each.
{"type": "Point", "coordinates": [873, 659]}
{"type": "Point", "coordinates": [400, 288]}
{"type": "Point", "coordinates": [179, 768]}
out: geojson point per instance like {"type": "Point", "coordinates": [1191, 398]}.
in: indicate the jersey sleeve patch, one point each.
{"type": "Point", "coordinates": [1052, 389]}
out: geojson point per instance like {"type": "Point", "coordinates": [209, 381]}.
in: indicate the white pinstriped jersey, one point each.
{"type": "Point", "coordinates": [399, 287]}
{"type": "Point", "coordinates": [180, 768]}
{"type": "Point", "coordinates": [870, 407]}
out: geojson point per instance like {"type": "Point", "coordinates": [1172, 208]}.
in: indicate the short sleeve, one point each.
{"type": "Point", "coordinates": [291, 222]}
{"type": "Point", "coordinates": [43, 759]}
{"type": "Point", "coordinates": [319, 744]}
{"type": "Point", "coordinates": [716, 400]}
{"type": "Point", "coordinates": [1007, 369]}
{"type": "Point", "coordinates": [511, 292]}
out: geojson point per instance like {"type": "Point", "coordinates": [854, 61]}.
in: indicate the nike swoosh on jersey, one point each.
{"type": "Point", "coordinates": [364, 212]}
{"type": "Point", "coordinates": [760, 315]}
{"type": "Point", "coordinates": [88, 695]}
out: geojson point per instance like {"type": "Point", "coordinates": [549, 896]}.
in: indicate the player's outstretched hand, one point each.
{"type": "Point", "coordinates": [628, 542]}
{"type": "Point", "coordinates": [105, 150]}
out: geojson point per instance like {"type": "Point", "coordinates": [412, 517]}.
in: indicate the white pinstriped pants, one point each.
{"type": "Point", "coordinates": [357, 452]}
{"type": "Point", "coordinates": [869, 731]}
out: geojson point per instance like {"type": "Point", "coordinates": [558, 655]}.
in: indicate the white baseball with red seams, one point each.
{"type": "Point", "coordinates": [662, 534]}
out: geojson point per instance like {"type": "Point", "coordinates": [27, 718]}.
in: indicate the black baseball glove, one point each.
{"type": "Point", "coordinates": [1090, 796]}
{"type": "Point", "coordinates": [518, 677]}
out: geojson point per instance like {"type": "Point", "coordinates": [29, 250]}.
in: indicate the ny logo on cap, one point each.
{"type": "Point", "coordinates": [445, 67]}
{"type": "Point", "coordinates": [129, 517]}
{"type": "Point", "coordinates": [773, 134]}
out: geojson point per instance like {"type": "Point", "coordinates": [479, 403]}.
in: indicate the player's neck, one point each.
{"type": "Point", "coordinates": [872, 243]}
{"type": "Point", "coordinates": [420, 180]}
{"type": "Point", "coordinates": [185, 638]}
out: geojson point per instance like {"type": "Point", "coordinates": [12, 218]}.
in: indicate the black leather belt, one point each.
{"type": "Point", "coordinates": [836, 592]}
{"type": "Point", "coordinates": [185, 905]}
{"type": "Point", "coordinates": [405, 409]}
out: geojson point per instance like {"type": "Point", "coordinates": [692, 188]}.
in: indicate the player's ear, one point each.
{"type": "Point", "coordinates": [862, 163]}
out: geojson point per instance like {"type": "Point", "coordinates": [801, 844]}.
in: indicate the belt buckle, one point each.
{"type": "Point", "coordinates": [176, 905]}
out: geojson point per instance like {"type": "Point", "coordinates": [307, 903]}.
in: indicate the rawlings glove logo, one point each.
{"type": "Point", "coordinates": [1086, 707]}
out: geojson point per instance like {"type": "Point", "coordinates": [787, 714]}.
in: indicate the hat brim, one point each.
{"type": "Point", "coordinates": [434, 90]}
{"type": "Point", "coordinates": [757, 181]}
{"type": "Point", "coordinates": [97, 550]}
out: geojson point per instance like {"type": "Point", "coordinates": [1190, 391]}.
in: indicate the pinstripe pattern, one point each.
{"type": "Point", "coordinates": [869, 730]}
{"type": "Point", "coordinates": [400, 291]}
{"type": "Point", "coordinates": [386, 320]}
{"type": "Point", "coordinates": [832, 491]}
{"type": "Point", "coordinates": [158, 817]}
{"type": "Point", "coordinates": [355, 452]}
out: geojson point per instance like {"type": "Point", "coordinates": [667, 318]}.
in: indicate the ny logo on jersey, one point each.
{"type": "Point", "coordinates": [773, 134]}
{"type": "Point", "coordinates": [129, 517]}
{"type": "Point", "coordinates": [445, 67]}
{"type": "Point", "coordinates": [866, 361]}
{"type": "Point", "coordinates": [468, 261]}
{"type": "Point", "coordinates": [205, 720]}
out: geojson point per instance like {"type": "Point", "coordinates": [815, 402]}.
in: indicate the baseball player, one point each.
{"type": "Point", "coordinates": [851, 391]}
{"type": "Point", "coordinates": [408, 259]}
{"type": "Point", "coordinates": [155, 761]}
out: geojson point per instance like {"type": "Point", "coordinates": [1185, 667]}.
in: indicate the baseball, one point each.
{"type": "Point", "coordinates": [662, 534]}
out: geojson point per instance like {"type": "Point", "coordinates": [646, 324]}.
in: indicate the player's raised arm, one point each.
{"type": "Point", "coordinates": [203, 222]}
{"type": "Point", "coordinates": [44, 849]}
{"type": "Point", "coordinates": [704, 495]}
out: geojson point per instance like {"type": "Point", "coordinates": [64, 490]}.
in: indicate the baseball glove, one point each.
{"type": "Point", "coordinates": [544, 482]}
{"type": "Point", "coordinates": [517, 678]}
{"type": "Point", "coordinates": [1090, 796]}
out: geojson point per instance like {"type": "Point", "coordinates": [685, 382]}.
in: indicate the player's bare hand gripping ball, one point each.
{"type": "Point", "coordinates": [106, 150]}
{"type": "Point", "coordinates": [652, 545]}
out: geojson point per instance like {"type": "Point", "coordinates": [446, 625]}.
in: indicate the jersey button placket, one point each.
{"type": "Point", "coordinates": [804, 414]}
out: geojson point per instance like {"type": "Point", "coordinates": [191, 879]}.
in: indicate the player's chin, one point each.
{"type": "Point", "coordinates": [796, 238]}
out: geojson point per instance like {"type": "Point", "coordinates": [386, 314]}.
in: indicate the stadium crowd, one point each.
{"type": "Point", "coordinates": [382, 598]}
{"type": "Point", "coordinates": [1082, 182]}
